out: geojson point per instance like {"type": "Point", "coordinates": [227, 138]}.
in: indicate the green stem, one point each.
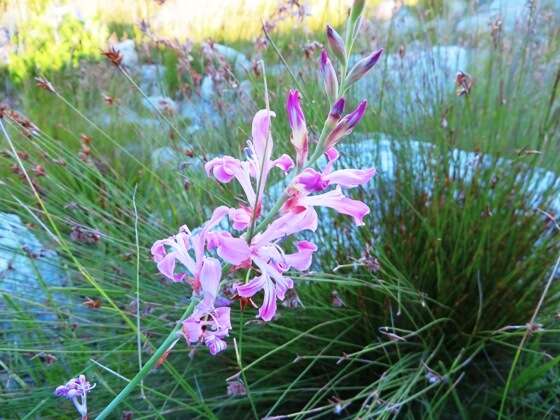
{"type": "Point", "coordinates": [148, 366]}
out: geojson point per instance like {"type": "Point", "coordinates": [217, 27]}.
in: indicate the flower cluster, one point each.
{"type": "Point", "coordinates": [255, 237]}
{"type": "Point", "coordinates": [74, 389]}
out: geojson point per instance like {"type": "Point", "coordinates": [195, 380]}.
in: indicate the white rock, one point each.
{"type": "Point", "coordinates": [512, 13]}
{"type": "Point", "coordinates": [241, 65]}
{"type": "Point", "coordinates": [128, 50]}
{"type": "Point", "coordinates": [151, 77]}
{"type": "Point", "coordinates": [414, 83]}
{"type": "Point", "coordinates": [207, 90]}
{"type": "Point", "coordinates": [28, 270]}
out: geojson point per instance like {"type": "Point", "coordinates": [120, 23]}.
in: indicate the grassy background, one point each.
{"type": "Point", "coordinates": [461, 255]}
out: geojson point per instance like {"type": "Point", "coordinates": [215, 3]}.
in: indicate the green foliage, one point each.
{"type": "Point", "coordinates": [463, 259]}
{"type": "Point", "coordinates": [44, 47]}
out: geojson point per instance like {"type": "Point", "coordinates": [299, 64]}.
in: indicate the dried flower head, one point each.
{"type": "Point", "coordinates": [236, 388]}
{"type": "Point", "coordinates": [44, 84]}
{"type": "Point", "coordinates": [463, 83]}
{"type": "Point", "coordinates": [114, 56]}
{"type": "Point", "coordinates": [84, 235]}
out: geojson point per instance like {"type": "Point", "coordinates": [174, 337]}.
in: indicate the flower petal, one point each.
{"type": "Point", "coordinates": [233, 250]}
{"type": "Point", "coordinates": [262, 140]}
{"type": "Point", "coordinates": [284, 162]}
{"type": "Point", "coordinates": [210, 276]}
{"type": "Point", "coordinates": [268, 307]}
{"type": "Point", "coordinates": [251, 288]}
{"type": "Point", "coordinates": [350, 177]}
{"type": "Point", "coordinates": [302, 259]}
{"type": "Point", "coordinates": [339, 202]}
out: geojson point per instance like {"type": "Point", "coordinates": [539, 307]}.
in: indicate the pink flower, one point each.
{"type": "Point", "coordinates": [208, 324]}
{"type": "Point", "coordinates": [299, 128]}
{"type": "Point", "coordinates": [272, 262]}
{"type": "Point", "coordinates": [314, 181]}
{"type": "Point", "coordinates": [76, 390]}
{"type": "Point", "coordinates": [208, 327]}
{"type": "Point", "coordinates": [187, 249]}
{"type": "Point", "coordinates": [253, 171]}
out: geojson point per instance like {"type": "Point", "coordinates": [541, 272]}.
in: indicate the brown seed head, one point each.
{"type": "Point", "coordinates": [114, 56]}
{"type": "Point", "coordinates": [43, 83]}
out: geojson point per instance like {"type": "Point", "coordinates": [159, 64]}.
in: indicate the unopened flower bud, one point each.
{"type": "Point", "coordinates": [296, 119]}
{"type": "Point", "coordinates": [336, 44]}
{"type": "Point", "coordinates": [335, 113]}
{"type": "Point", "coordinates": [361, 68]}
{"type": "Point", "coordinates": [346, 125]}
{"type": "Point", "coordinates": [328, 74]}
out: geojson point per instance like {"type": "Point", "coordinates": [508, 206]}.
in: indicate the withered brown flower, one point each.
{"type": "Point", "coordinates": [114, 56]}
{"type": "Point", "coordinates": [43, 83]}
{"type": "Point", "coordinates": [463, 83]}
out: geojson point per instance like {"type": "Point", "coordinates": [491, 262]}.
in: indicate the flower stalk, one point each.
{"type": "Point", "coordinates": [150, 363]}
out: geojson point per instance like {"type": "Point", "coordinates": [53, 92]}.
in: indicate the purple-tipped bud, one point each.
{"type": "Point", "coordinates": [346, 125]}
{"type": "Point", "coordinates": [363, 66]}
{"type": "Point", "coordinates": [357, 9]}
{"type": "Point", "coordinates": [296, 119]}
{"type": "Point", "coordinates": [293, 108]}
{"type": "Point", "coordinates": [337, 108]}
{"type": "Point", "coordinates": [335, 113]}
{"type": "Point", "coordinates": [328, 74]}
{"type": "Point", "coordinates": [336, 44]}
{"type": "Point", "coordinates": [355, 116]}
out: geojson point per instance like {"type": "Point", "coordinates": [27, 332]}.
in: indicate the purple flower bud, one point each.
{"type": "Point", "coordinates": [337, 108]}
{"type": "Point", "coordinates": [293, 108]}
{"type": "Point", "coordinates": [363, 66]}
{"type": "Point", "coordinates": [336, 44]}
{"type": "Point", "coordinates": [299, 138]}
{"type": "Point", "coordinates": [355, 116]}
{"type": "Point", "coordinates": [328, 74]}
{"type": "Point", "coordinates": [335, 113]}
{"type": "Point", "coordinates": [346, 125]}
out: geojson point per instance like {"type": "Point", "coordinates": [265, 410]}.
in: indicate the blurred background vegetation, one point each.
{"type": "Point", "coordinates": [420, 313]}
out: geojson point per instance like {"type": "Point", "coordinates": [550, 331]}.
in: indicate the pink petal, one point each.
{"type": "Point", "coordinates": [240, 217]}
{"type": "Point", "coordinates": [312, 180]}
{"type": "Point", "coordinates": [215, 344]}
{"type": "Point", "coordinates": [251, 288]}
{"type": "Point", "coordinates": [223, 168]}
{"type": "Point", "coordinates": [350, 177]}
{"type": "Point", "coordinates": [192, 330]}
{"type": "Point", "coordinates": [233, 250]}
{"type": "Point", "coordinates": [166, 266]}
{"type": "Point", "coordinates": [284, 162]}
{"type": "Point", "coordinates": [268, 307]}
{"type": "Point", "coordinates": [210, 276]}
{"type": "Point", "coordinates": [223, 318]}
{"type": "Point", "coordinates": [262, 140]}
{"type": "Point", "coordinates": [342, 204]}
{"type": "Point", "coordinates": [302, 259]}
{"type": "Point", "coordinates": [288, 224]}
{"type": "Point", "coordinates": [158, 250]}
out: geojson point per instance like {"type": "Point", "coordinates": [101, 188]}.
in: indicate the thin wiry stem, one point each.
{"type": "Point", "coordinates": [526, 336]}
{"type": "Point", "coordinates": [138, 334]}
